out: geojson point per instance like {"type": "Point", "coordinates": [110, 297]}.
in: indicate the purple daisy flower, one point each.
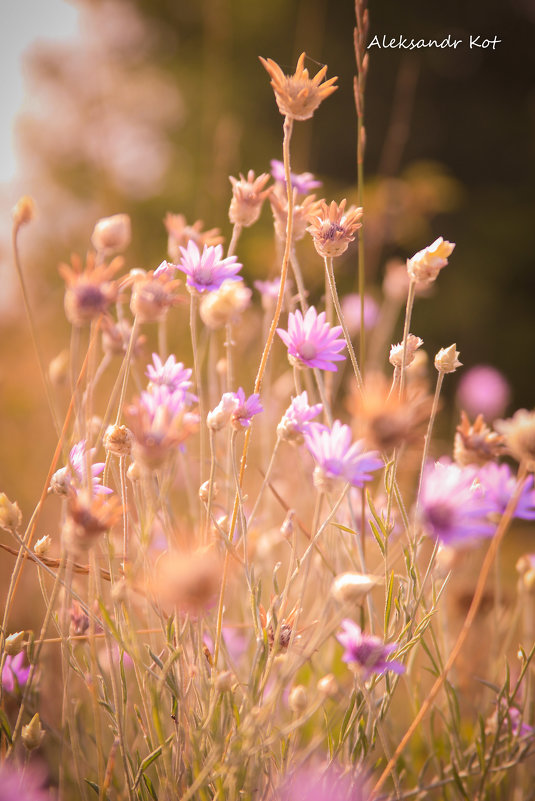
{"type": "Point", "coordinates": [337, 457]}
{"type": "Point", "coordinates": [351, 309]}
{"type": "Point", "coordinates": [304, 182]}
{"type": "Point", "coordinates": [311, 342]}
{"type": "Point", "coordinates": [452, 505]}
{"type": "Point", "coordinates": [246, 409]}
{"type": "Point", "coordinates": [499, 484]}
{"type": "Point", "coordinates": [295, 420]}
{"type": "Point", "coordinates": [367, 651]}
{"type": "Point", "coordinates": [14, 670]}
{"type": "Point", "coordinates": [207, 271]}
{"type": "Point", "coordinates": [171, 374]}
{"type": "Point", "coordinates": [326, 784]}
{"type": "Point", "coordinates": [65, 479]}
{"type": "Point", "coordinates": [160, 401]}
{"type": "Point", "coordinates": [28, 784]}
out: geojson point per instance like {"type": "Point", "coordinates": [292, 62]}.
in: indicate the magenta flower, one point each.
{"type": "Point", "coordinates": [337, 457]}
{"type": "Point", "coordinates": [207, 271]}
{"type": "Point", "coordinates": [66, 479]}
{"type": "Point", "coordinates": [22, 785]}
{"type": "Point", "coordinates": [304, 182]}
{"type": "Point", "coordinates": [367, 651]}
{"type": "Point", "coordinates": [351, 309]}
{"type": "Point", "coordinates": [453, 507]}
{"type": "Point", "coordinates": [311, 342]}
{"type": "Point", "coordinates": [309, 783]}
{"type": "Point", "coordinates": [268, 289]}
{"type": "Point", "coordinates": [295, 420]}
{"type": "Point", "coordinates": [14, 672]}
{"type": "Point", "coordinates": [498, 483]}
{"type": "Point", "coordinates": [246, 409]}
{"type": "Point", "coordinates": [171, 374]}
{"type": "Point", "coordinates": [483, 390]}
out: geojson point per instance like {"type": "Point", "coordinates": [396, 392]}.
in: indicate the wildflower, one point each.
{"type": "Point", "coordinates": [311, 342]}
{"type": "Point", "coordinates": [10, 514]}
{"type": "Point", "coordinates": [424, 266]}
{"type": "Point", "coordinates": [483, 390]}
{"type": "Point", "coordinates": [208, 270]}
{"type": "Point", "coordinates": [89, 291]}
{"type": "Point", "coordinates": [23, 211]}
{"type": "Point", "coordinates": [475, 443]}
{"type": "Point", "coordinates": [447, 360]}
{"type": "Point", "coordinates": [180, 233]}
{"type": "Point", "coordinates": [301, 213]}
{"type": "Point", "coordinates": [172, 375]}
{"type": "Point", "coordinates": [221, 416]}
{"type": "Point", "coordinates": [14, 674]}
{"type": "Point", "coordinates": [296, 419]}
{"type": "Point", "coordinates": [352, 587]}
{"type": "Point", "coordinates": [226, 304]}
{"type": "Point", "coordinates": [303, 182]}
{"type": "Point", "coordinates": [248, 195]}
{"type": "Point", "coordinates": [453, 508]}
{"type": "Point", "coordinates": [88, 517]}
{"type": "Point", "coordinates": [367, 652]}
{"type": "Point", "coordinates": [66, 479]}
{"type": "Point", "coordinates": [112, 234]}
{"type": "Point", "coordinates": [396, 352]}
{"type": "Point", "coordinates": [499, 484]}
{"type": "Point", "coordinates": [315, 784]}
{"type": "Point", "coordinates": [245, 409]}
{"type": "Point", "coordinates": [27, 785]}
{"type": "Point", "coordinates": [118, 440]}
{"type": "Point", "coordinates": [189, 581]}
{"type": "Point", "coordinates": [152, 295]}
{"type": "Point", "coordinates": [332, 228]}
{"type": "Point", "coordinates": [328, 686]}
{"type": "Point", "coordinates": [519, 434]}
{"type": "Point", "coordinates": [298, 699]}
{"type": "Point", "coordinates": [269, 291]}
{"type": "Point", "coordinates": [116, 337]}
{"type": "Point", "coordinates": [337, 457]}
{"type": "Point", "coordinates": [14, 643]}
{"type": "Point", "coordinates": [297, 95]}
{"type": "Point", "coordinates": [285, 629]}
{"type": "Point", "coordinates": [351, 310]}
{"type": "Point", "coordinates": [42, 546]}
{"type": "Point", "coordinates": [32, 734]}
{"type": "Point", "coordinates": [165, 268]}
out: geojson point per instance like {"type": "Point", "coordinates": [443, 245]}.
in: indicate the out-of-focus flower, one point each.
{"type": "Point", "coordinates": [248, 195]}
{"type": "Point", "coordinates": [221, 415]}
{"type": "Point", "coordinates": [14, 643]}
{"type": "Point", "coordinates": [367, 652]}
{"type": "Point", "coordinates": [351, 310]}
{"type": "Point", "coordinates": [189, 581]}
{"type": "Point", "coordinates": [66, 480]}
{"type": "Point", "coordinates": [332, 227]}
{"type": "Point", "coordinates": [285, 629]}
{"type": "Point", "coordinates": [206, 271]}
{"type": "Point", "coordinates": [337, 458]}
{"type": "Point", "coordinates": [296, 419]}
{"type": "Point", "coordinates": [180, 234]}
{"type": "Point", "coordinates": [24, 211]}
{"type": "Point", "coordinates": [298, 699]}
{"type": "Point", "coordinates": [352, 587]}
{"type": "Point", "coordinates": [14, 673]}
{"type": "Point", "coordinates": [88, 517]}
{"type": "Point", "coordinates": [310, 783]}
{"type": "Point", "coordinates": [118, 440]}
{"type": "Point", "coordinates": [89, 290]}
{"type": "Point", "coordinates": [396, 352]}
{"type": "Point", "coordinates": [21, 785]}
{"type": "Point", "coordinates": [519, 434]}
{"type": "Point", "coordinates": [171, 374]}
{"type": "Point", "coordinates": [245, 409]}
{"type": "Point", "coordinates": [297, 95]}
{"type": "Point", "coordinates": [499, 485]}
{"type": "Point", "coordinates": [152, 295]}
{"type": "Point", "coordinates": [112, 234]}
{"type": "Point", "coordinates": [311, 342]}
{"type": "Point", "coordinates": [10, 514]}
{"type": "Point", "coordinates": [483, 390]}
{"type": "Point", "coordinates": [424, 266]}
{"type": "Point", "coordinates": [33, 733]}
{"type": "Point", "coordinates": [116, 336]}
{"type": "Point", "coordinates": [453, 507]}
{"type": "Point", "coordinates": [301, 213]}
{"type": "Point", "coordinates": [304, 182]}
{"type": "Point", "coordinates": [447, 360]}
{"type": "Point", "coordinates": [226, 304]}
{"type": "Point", "coordinates": [269, 291]}
{"type": "Point", "coordinates": [475, 443]}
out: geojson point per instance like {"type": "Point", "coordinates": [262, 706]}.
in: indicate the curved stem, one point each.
{"type": "Point", "coordinates": [427, 441]}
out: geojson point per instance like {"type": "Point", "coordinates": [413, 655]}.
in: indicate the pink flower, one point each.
{"type": "Point", "coordinates": [367, 651]}
{"type": "Point", "coordinates": [207, 271]}
{"type": "Point", "coordinates": [483, 390]}
{"type": "Point", "coordinates": [295, 420]}
{"type": "Point", "coordinates": [171, 374]}
{"type": "Point", "coordinates": [337, 457]}
{"type": "Point", "coordinates": [304, 182]}
{"type": "Point", "coordinates": [246, 409]}
{"type": "Point", "coordinates": [14, 672]}
{"type": "Point", "coordinates": [66, 479]}
{"type": "Point", "coordinates": [498, 483]}
{"type": "Point", "coordinates": [311, 342]}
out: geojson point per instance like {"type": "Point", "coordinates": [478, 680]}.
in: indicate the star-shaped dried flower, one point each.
{"type": "Point", "coordinates": [519, 434]}
{"type": "Point", "coordinates": [332, 228]}
{"type": "Point", "coordinates": [447, 360]}
{"type": "Point", "coordinates": [180, 233]}
{"type": "Point", "coordinates": [298, 95]}
{"type": "Point", "coordinates": [248, 195]}
{"type": "Point", "coordinates": [476, 443]}
{"type": "Point", "coordinates": [301, 213]}
{"type": "Point", "coordinates": [425, 265]}
{"type": "Point", "coordinates": [89, 290]}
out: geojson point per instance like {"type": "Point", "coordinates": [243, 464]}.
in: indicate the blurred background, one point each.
{"type": "Point", "coordinates": [147, 107]}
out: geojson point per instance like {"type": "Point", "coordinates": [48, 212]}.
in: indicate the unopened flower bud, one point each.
{"type": "Point", "coordinates": [287, 527]}
{"type": "Point", "coordinates": [112, 234]}
{"type": "Point", "coordinates": [328, 686]}
{"type": "Point", "coordinates": [220, 417]}
{"type": "Point", "coordinates": [447, 360]}
{"type": "Point", "coordinates": [118, 440]}
{"type": "Point", "coordinates": [352, 587]}
{"type": "Point", "coordinates": [204, 491]}
{"type": "Point", "coordinates": [248, 195]}
{"type": "Point", "coordinates": [297, 700]}
{"type": "Point", "coordinates": [396, 351]}
{"type": "Point", "coordinates": [223, 682]}
{"type": "Point", "coordinates": [224, 305]}
{"type": "Point", "coordinates": [23, 211]}
{"type": "Point", "coordinates": [13, 644]}
{"type": "Point", "coordinates": [33, 733]}
{"type": "Point", "coordinates": [42, 546]}
{"type": "Point", "coordinates": [134, 472]}
{"type": "Point", "coordinates": [58, 369]}
{"type": "Point", "coordinates": [425, 265]}
{"type": "Point", "coordinates": [10, 514]}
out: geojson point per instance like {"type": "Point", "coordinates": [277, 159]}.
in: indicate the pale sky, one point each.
{"type": "Point", "coordinates": [21, 23]}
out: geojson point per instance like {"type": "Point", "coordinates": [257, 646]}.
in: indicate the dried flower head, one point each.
{"type": "Point", "coordinates": [118, 440]}
{"type": "Point", "coordinates": [14, 643]}
{"type": "Point", "coordinates": [116, 337]}
{"type": "Point", "coordinates": [301, 213]}
{"type": "Point", "coordinates": [42, 546]}
{"type": "Point", "coordinates": [225, 305]}
{"type": "Point", "coordinates": [332, 228]}
{"type": "Point", "coordinates": [519, 435]}
{"type": "Point", "coordinates": [286, 628]}
{"type": "Point", "coordinates": [248, 195]}
{"type": "Point", "coordinates": [152, 296]}
{"type": "Point", "coordinates": [180, 234]}
{"type": "Point", "coordinates": [10, 514]}
{"type": "Point", "coordinates": [447, 360]}
{"type": "Point", "coordinates": [298, 95]}
{"type": "Point", "coordinates": [476, 443]}
{"type": "Point", "coordinates": [88, 517]}
{"type": "Point", "coordinates": [425, 265]}
{"type": "Point", "coordinates": [188, 580]}
{"type": "Point", "coordinates": [396, 352]}
{"type": "Point", "coordinates": [23, 211]}
{"type": "Point", "coordinates": [89, 290]}
{"type": "Point", "coordinates": [112, 234]}
{"type": "Point", "coordinates": [33, 733]}
{"type": "Point", "coordinates": [221, 415]}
